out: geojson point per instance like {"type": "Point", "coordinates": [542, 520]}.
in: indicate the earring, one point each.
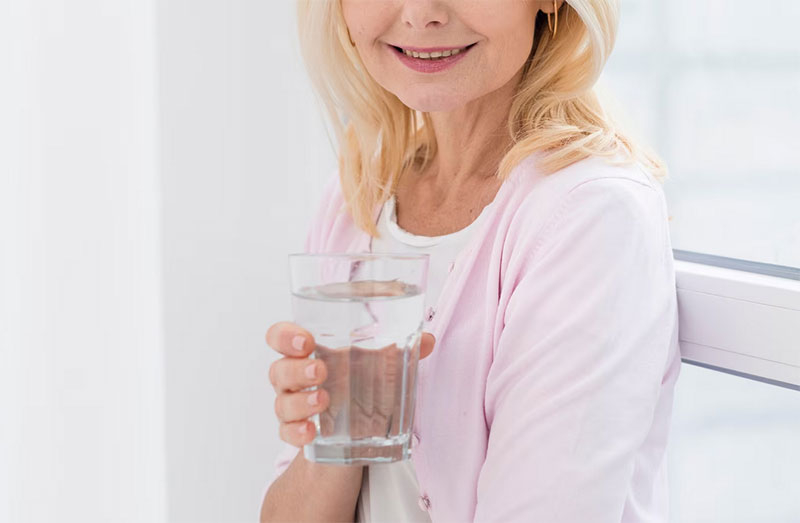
{"type": "Point", "coordinates": [553, 29]}
{"type": "Point", "coordinates": [350, 37]}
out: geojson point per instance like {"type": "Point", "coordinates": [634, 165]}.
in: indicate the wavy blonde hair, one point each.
{"type": "Point", "coordinates": [555, 109]}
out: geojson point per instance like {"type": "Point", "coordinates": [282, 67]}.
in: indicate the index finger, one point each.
{"type": "Point", "coordinates": [290, 339]}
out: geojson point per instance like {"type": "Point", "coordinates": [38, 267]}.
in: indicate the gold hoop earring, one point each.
{"type": "Point", "coordinates": [553, 28]}
{"type": "Point", "coordinates": [350, 37]}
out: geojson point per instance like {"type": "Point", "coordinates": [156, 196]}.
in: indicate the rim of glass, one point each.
{"type": "Point", "coordinates": [358, 255]}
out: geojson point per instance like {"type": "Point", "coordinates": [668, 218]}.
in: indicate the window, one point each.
{"type": "Point", "coordinates": [733, 450]}
{"type": "Point", "coordinates": [714, 85]}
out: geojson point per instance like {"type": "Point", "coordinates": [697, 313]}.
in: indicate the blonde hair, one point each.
{"type": "Point", "coordinates": [555, 110]}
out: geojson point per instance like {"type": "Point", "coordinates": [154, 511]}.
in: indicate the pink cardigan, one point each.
{"type": "Point", "coordinates": [548, 395]}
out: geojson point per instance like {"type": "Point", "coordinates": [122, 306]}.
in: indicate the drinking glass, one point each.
{"type": "Point", "coordinates": [365, 311]}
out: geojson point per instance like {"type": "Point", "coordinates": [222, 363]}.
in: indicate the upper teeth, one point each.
{"type": "Point", "coordinates": [435, 54]}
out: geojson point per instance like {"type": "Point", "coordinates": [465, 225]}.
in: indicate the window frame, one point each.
{"type": "Point", "coordinates": [728, 306]}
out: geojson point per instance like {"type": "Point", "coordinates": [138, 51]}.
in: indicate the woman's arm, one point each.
{"type": "Point", "coordinates": [308, 491]}
{"type": "Point", "coordinates": [588, 339]}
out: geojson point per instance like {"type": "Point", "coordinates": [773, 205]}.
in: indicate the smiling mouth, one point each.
{"type": "Point", "coordinates": [434, 55]}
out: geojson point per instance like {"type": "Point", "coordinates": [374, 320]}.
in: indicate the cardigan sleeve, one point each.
{"type": "Point", "coordinates": [323, 214]}
{"type": "Point", "coordinates": [578, 366]}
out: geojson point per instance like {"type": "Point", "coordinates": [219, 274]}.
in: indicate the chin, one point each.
{"type": "Point", "coordinates": [432, 102]}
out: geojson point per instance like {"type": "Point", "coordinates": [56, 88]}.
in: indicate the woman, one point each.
{"type": "Point", "coordinates": [551, 297]}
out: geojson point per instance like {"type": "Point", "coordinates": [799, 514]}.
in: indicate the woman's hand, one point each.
{"type": "Point", "coordinates": [296, 371]}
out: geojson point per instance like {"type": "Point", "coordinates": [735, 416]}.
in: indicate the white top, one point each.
{"type": "Point", "coordinates": [389, 491]}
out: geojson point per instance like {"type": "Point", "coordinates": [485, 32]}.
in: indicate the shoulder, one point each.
{"type": "Point", "coordinates": [596, 179]}
{"type": "Point", "coordinates": [597, 191]}
{"type": "Point", "coordinates": [596, 170]}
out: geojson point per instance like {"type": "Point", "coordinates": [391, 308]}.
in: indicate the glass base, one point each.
{"type": "Point", "coordinates": [367, 451]}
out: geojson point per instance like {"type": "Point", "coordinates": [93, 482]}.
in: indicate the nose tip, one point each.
{"type": "Point", "coordinates": [423, 15]}
{"type": "Point", "coordinates": [426, 25]}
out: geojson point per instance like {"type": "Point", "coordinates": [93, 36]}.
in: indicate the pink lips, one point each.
{"type": "Point", "coordinates": [429, 66]}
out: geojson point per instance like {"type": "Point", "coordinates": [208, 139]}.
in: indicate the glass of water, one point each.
{"type": "Point", "coordinates": [365, 311]}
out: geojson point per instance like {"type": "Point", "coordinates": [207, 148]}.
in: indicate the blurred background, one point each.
{"type": "Point", "coordinates": [159, 160]}
{"type": "Point", "coordinates": [714, 86]}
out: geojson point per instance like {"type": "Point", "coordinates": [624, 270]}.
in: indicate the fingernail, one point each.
{"type": "Point", "coordinates": [313, 398]}
{"type": "Point", "coordinates": [303, 428]}
{"type": "Point", "coordinates": [311, 371]}
{"type": "Point", "coordinates": [298, 342]}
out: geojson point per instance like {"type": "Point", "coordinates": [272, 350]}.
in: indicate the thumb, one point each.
{"type": "Point", "coordinates": [426, 344]}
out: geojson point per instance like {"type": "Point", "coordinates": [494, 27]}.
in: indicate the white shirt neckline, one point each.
{"type": "Point", "coordinates": [389, 214]}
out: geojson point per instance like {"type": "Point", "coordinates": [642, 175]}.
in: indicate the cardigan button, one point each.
{"type": "Point", "coordinates": [415, 439]}
{"type": "Point", "coordinates": [451, 266]}
{"type": "Point", "coordinates": [429, 313]}
{"type": "Point", "coordinates": [424, 502]}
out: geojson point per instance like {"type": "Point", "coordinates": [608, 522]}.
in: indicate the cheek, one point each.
{"type": "Point", "coordinates": [500, 62]}
{"type": "Point", "coordinates": [515, 52]}
{"type": "Point", "coordinates": [355, 12]}
{"type": "Point", "coordinates": [367, 20]}
{"type": "Point", "coordinates": [380, 65]}
{"type": "Point", "coordinates": [515, 42]}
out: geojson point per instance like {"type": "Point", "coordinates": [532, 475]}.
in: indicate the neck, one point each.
{"type": "Point", "coordinates": [472, 139]}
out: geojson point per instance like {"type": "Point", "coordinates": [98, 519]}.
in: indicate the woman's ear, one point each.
{"type": "Point", "coordinates": [546, 6]}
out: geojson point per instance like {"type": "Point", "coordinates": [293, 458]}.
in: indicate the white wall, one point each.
{"type": "Point", "coordinates": [158, 163]}
{"type": "Point", "coordinates": [81, 352]}
{"type": "Point", "coordinates": [243, 156]}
